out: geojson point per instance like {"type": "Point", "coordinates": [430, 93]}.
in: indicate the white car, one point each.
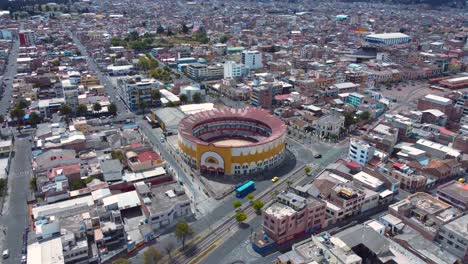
{"type": "Point", "coordinates": [6, 253]}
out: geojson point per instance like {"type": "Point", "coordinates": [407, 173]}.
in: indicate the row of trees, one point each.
{"type": "Point", "coordinates": [257, 205]}
{"type": "Point", "coordinates": [82, 110]}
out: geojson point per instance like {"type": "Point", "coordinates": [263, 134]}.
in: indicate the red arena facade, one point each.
{"type": "Point", "coordinates": [232, 141]}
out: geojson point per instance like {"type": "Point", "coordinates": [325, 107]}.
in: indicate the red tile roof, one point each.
{"type": "Point", "coordinates": [148, 155]}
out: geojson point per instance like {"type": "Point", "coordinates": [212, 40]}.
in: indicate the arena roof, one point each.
{"type": "Point", "coordinates": [277, 126]}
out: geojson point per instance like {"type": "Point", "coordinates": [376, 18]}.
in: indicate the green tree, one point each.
{"type": "Point", "coordinates": [236, 204]}
{"type": "Point", "coordinates": [142, 105]}
{"type": "Point", "coordinates": [223, 38]}
{"type": "Point", "coordinates": [258, 205]}
{"type": "Point", "coordinates": [97, 107]}
{"type": "Point", "coordinates": [65, 110]}
{"type": "Point", "coordinates": [250, 196]}
{"type": "Point", "coordinates": [33, 184]}
{"type": "Point", "coordinates": [350, 119]}
{"type": "Point", "coordinates": [241, 217]}
{"type": "Point", "coordinates": [89, 179]}
{"type": "Point", "coordinates": [153, 64]}
{"type": "Point", "coordinates": [23, 104]}
{"type": "Point", "coordinates": [112, 109]}
{"type": "Point", "coordinates": [144, 63]}
{"type": "Point", "coordinates": [197, 98]}
{"type": "Point", "coordinates": [183, 98]}
{"type": "Point", "coordinates": [34, 119]}
{"type": "Point", "coordinates": [289, 183]}
{"type": "Point", "coordinates": [2, 119]}
{"type": "Point", "coordinates": [159, 30]}
{"type": "Point", "coordinates": [121, 261]}
{"type": "Point", "coordinates": [155, 95]}
{"type": "Point", "coordinates": [365, 115]}
{"type": "Point", "coordinates": [3, 186]}
{"type": "Point", "coordinates": [17, 113]}
{"type": "Point", "coordinates": [77, 184]}
{"type": "Point", "coordinates": [307, 170]}
{"type": "Point", "coordinates": [133, 36]}
{"type": "Point", "coordinates": [81, 110]}
{"type": "Point", "coordinates": [183, 231]}
{"type": "Point", "coordinates": [151, 256]}
{"type": "Point", "coordinates": [118, 155]}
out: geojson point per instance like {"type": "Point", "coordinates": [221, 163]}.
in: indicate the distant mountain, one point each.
{"type": "Point", "coordinates": [452, 3]}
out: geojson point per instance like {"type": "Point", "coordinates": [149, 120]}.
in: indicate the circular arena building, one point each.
{"type": "Point", "coordinates": [232, 141]}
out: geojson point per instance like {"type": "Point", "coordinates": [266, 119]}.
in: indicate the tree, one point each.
{"type": "Point", "coordinates": [289, 183]}
{"type": "Point", "coordinates": [159, 30]}
{"type": "Point", "coordinates": [81, 110]}
{"type": "Point", "coordinates": [183, 98]}
{"type": "Point", "coordinates": [183, 231]}
{"type": "Point", "coordinates": [350, 119]}
{"type": "Point", "coordinates": [33, 184]}
{"type": "Point", "coordinates": [241, 217]}
{"type": "Point", "coordinates": [169, 248]}
{"type": "Point", "coordinates": [184, 29]}
{"type": "Point", "coordinates": [307, 170]}
{"type": "Point", "coordinates": [197, 98]}
{"type": "Point", "coordinates": [34, 119]}
{"type": "Point", "coordinates": [155, 95]}
{"type": "Point", "coordinates": [121, 261]}
{"type": "Point", "coordinates": [117, 155]}
{"type": "Point", "coordinates": [365, 115]}
{"type": "Point", "coordinates": [250, 196]}
{"type": "Point", "coordinates": [65, 110]}
{"type": "Point", "coordinates": [236, 204]}
{"type": "Point", "coordinates": [112, 108]}
{"type": "Point", "coordinates": [143, 63]}
{"type": "Point", "coordinates": [151, 256]}
{"type": "Point", "coordinates": [17, 113]}
{"type": "Point", "coordinates": [76, 184]}
{"type": "Point", "coordinates": [3, 186]}
{"type": "Point", "coordinates": [2, 119]}
{"type": "Point", "coordinates": [132, 36]}
{"type": "Point", "coordinates": [23, 104]}
{"type": "Point", "coordinates": [258, 205]}
{"type": "Point", "coordinates": [97, 107]}
{"type": "Point", "coordinates": [223, 38]}
{"type": "Point", "coordinates": [142, 105]}
{"type": "Point", "coordinates": [89, 179]}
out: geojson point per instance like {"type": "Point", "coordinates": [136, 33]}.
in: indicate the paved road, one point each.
{"type": "Point", "coordinates": [15, 212]}
{"type": "Point", "coordinates": [9, 74]}
{"type": "Point", "coordinates": [111, 91]}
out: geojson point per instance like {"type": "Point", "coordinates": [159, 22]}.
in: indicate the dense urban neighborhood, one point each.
{"type": "Point", "coordinates": [219, 132]}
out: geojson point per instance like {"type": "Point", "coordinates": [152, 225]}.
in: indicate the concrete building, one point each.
{"type": "Point", "coordinates": [203, 72]}
{"type": "Point", "coordinates": [70, 93]}
{"type": "Point", "coordinates": [454, 193]}
{"type": "Point", "coordinates": [388, 38]}
{"type": "Point", "coordinates": [232, 69]}
{"type": "Point", "coordinates": [135, 91]}
{"type": "Point", "coordinates": [252, 59]}
{"type": "Point", "coordinates": [27, 37]}
{"type": "Point", "coordinates": [432, 101]}
{"type": "Point", "coordinates": [164, 203]}
{"type": "Point", "coordinates": [360, 151]}
{"type": "Point", "coordinates": [262, 97]}
{"type": "Point", "coordinates": [329, 126]}
{"type": "Point", "coordinates": [292, 215]}
{"type": "Point", "coordinates": [453, 237]}
{"type": "Point", "coordinates": [437, 150]}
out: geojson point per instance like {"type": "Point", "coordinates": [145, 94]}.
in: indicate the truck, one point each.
{"type": "Point", "coordinates": [243, 189]}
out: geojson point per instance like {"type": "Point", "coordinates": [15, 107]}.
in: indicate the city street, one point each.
{"type": "Point", "coordinates": [8, 77]}
{"type": "Point", "coordinates": [15, 214]}
{"type": "Point", "coordinates": [111, 91]}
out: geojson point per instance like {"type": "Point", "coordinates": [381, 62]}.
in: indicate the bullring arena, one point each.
{"type": "Point", "coordinates": [232, 141]}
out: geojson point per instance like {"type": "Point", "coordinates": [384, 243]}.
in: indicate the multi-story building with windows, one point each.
{"type": "Point", "coordinates": [360, 151]}
{"type": "Point", "coordinates": [136, 91]}
{"type": "Point", "coordinates": [454, 193]}
{"type": "Point", "coordinates": [252, 59]}
{"type": "Point", "coordinates": [293, 215]}
{"type": "Point", "coordinates": [232, 69]}
{"type": "Point", "coordinates": [388, 38]}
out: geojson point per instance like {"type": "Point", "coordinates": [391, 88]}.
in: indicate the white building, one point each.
{"type": "Point", "coordinates": [189, 91]}
{"type": "Point", "coordinates": [360, 151]}
{"type": "Point", "coordinates": [252, 59]}
{"type": "Point", "coordinates": [70, 92]}
{"type": "Point", "coordinates": [232, 69]}
{"type": "Point", "coordinates": [388, 38]}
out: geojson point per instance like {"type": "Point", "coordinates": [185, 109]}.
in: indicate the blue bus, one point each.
{"type": "Point", "coordinates": [244, 189]}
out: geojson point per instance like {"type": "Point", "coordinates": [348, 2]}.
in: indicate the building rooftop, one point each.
{"type": "Point", "coordinates": [49, 251]}
{"type": "Point", "coordinates": [388, 35]}
{"type": "Point", "coordinates": [459, 226]}
{"type": "Point", "coordinates": [165, 196]}
{"type": "Point", "coordinates": [123, 200]}
{"type": "Point", "coordinates": [456, 190]}
{"type": "Point", "coordinates": [437, 99]}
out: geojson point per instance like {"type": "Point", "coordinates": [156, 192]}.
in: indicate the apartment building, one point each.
{"type": "Point", "coordinates": [252, 59]}
{"type": "Point", "coordinates": [232, 69]}
{"type": "Point", "coordinates": [292, 215]}
{"type": "Point", "coordinates": [136, 92]}
{"type": "Point", "coordinates": [360, 151]}
{"type": "Point", "coordinates": [203, 72]}
{"type": "Point", "coordinates": [262, 96]}
{"type": "Point", "coordinates": [453, 237]}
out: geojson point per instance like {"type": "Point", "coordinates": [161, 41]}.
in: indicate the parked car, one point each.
{"type": "Point", "coordinates": [6, 253]}
{"type": "Point", "coordinates": [275, 179]}
{"type": "Point", "coordinates": [318, 156]}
